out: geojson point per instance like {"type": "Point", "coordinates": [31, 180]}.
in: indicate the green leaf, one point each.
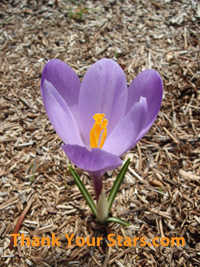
{"type": "Point", "coordinates": [117, 220]}
{"type": "Point", "coordinates": [117, 184]}
{"type": "Point", "coordinates": [83, 190]}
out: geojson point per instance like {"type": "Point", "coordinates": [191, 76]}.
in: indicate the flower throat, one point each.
{"type": "Point", "coordinates": [98, 132]}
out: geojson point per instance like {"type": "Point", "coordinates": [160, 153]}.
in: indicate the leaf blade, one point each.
{"type": "Point", "coordinates": [117, 220]}
{"type": "Point", "coordinates": [117, 184]}
{"type": "Point", "coordinates": [83, 190]}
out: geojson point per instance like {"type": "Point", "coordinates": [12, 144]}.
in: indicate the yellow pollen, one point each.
{"type": "Point", "coordinates": [98, 132]}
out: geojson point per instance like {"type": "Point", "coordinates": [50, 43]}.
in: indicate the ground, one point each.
{"type": "Point", "coordinates": [160, 195]}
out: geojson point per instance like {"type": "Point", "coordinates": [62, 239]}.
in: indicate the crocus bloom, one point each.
{"type": "Point", "coordinates": [99, 119]}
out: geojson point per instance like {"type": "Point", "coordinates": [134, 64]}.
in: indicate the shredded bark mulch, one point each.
{"type": "Point", "coordinates": [160, 195]}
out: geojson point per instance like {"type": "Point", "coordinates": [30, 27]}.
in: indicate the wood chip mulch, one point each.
{"type": "Point", "coordinates": [160, 195]}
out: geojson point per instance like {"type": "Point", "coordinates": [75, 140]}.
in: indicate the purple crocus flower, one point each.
{"type": "Point", "coordinates": [99, 119]}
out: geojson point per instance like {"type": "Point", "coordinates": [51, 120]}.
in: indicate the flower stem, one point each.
{"type": "Point", "coordinates": [97, 183]}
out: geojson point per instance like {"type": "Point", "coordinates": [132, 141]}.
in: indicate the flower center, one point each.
{"type": "Point", "coordinates": [98, 132]}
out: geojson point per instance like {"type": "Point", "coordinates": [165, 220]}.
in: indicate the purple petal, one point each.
{"type": "Point", "coordinates": [125, 135]}
{"type": "Point", "coordinates": [65, 81]}
{"type": "Point", "coordinates": [147, 84]}
{"type": "Point", "coordinates": [103, 90]}
{"type": "Point", "coordinates": [95, 161]}
{"type": "Point", "coordinates": [60, 115]}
